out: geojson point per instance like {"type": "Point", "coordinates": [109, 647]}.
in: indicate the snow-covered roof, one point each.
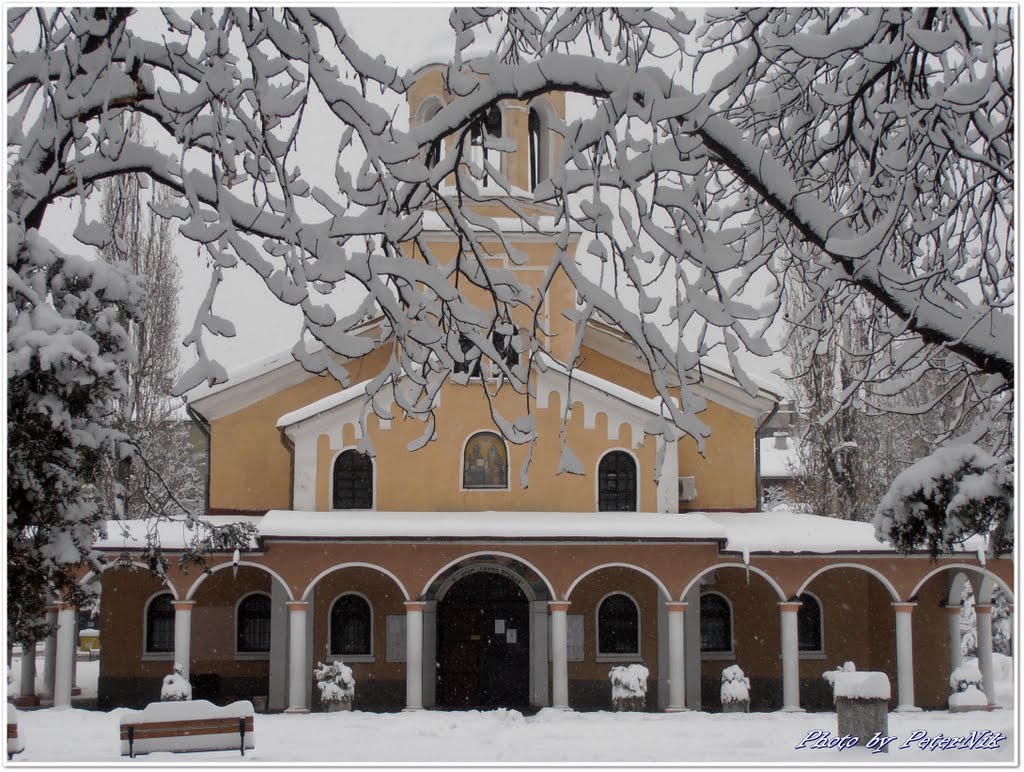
{"type": "Point", "coordinates": [780, 531]}
{"type": "Point", "coordinates": [174, 533]}
{"type": "Point", "coordinates": [741, 532]}
{"type": "Point", "coordinates": [778, 462]}
{"type": "Point", "coordinates": [362, 524]}
{"type": "Point", "coordinates": [268, 364]}
{"type": "Point", "coordinates": [323, 405]}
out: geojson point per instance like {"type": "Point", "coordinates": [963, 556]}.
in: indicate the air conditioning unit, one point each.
{"type": "Point", "coordinates": [687, 488]}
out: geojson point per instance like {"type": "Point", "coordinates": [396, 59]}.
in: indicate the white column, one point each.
{"type": "Point", "coordinates": [559, 655]}
{"type": "Point", "coordinates": [905, 656]}
{"type": "Point", "coordinates": [65, 651]}
{"type": "Point", "coordinates": [414, 654]}
{"type": "Point", "coordinates": [299, 674]}
{"type": "Point", "coordinates": [676, 657]}
{"type": "Point", "coordinates": [539, 653]}
{"type": "Point", "coordinates": [790, 656]}
{"type": "Point", "coordinates": [983, 618]}
{"type": "Point", "coordinates": [28, 673]}
{"type": "Point", "coordinates": [953, 621]}
{"type": "Point", "coordinates": [50, 654]}
{"type": "Point", "coordinates": [183, 635]}
{"type": "Point", "coordinates": [429, 654]}
{"type": "Point", "coordinates": [691, 628]}
{"type": "Point", "coordinates": [278, 682]}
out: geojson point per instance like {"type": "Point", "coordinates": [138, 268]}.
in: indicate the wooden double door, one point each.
{"type": "Point", "coordinates": [483, 644]}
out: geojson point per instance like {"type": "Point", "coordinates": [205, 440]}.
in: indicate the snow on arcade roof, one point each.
{"type": "Point", "coordinates": [365, 524]}
{"type": "Point", "coordinates": [780, 531]}
{"type": "Point", "coordinates": [743, 532]}
{"type": "Point", "coordinates": [173, 533]}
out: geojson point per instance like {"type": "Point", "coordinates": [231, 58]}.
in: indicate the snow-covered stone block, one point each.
{"type": "Point", "coordinates": [180, 727]}
{"type": "Point", "coordinates": [862, 703]}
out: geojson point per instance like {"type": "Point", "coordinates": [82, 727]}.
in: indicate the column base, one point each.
{"type": "Point", "coordinates": [792, 709]}
{"type": "Point", "coordinates": [677, 709]}
{"type": "Point", "coordinates": [297, 711]}
{"type": "Point", "coordinates": [27, 701]}
{"type": "Point", "coordinates": [559, 707]}
{"type": "Point", "coordinates": [907, 709]}
{"type": "Point", "coordinates": [413, 710]}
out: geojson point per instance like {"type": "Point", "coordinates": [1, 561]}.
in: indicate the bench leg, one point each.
{"type": "Point", "coordinates": [131, 742]}
{"type": "Point", "coordinates": [241, 732]}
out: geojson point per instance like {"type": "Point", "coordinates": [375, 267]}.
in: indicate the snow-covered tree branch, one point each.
{"type": "Point", "coordinates": [866, 155]}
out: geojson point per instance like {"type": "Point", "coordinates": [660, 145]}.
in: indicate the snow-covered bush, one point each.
{"type": "Point", "coordinates": [629, 686]}
{"type": "Point", "coordinates": [967, 694]}
{"type": "Point", "coordinates": [336, 684]}
{"type": "Point", "coordinates": [735, 689]}
{"type": "Point", "coordinates": [176, 688]}
{"type": "Point", "coordinates": [830, 675]}
{"type": "Point", "coordinates": [955, 492]}
{"type": "Point", "coordinates": [965, 677]}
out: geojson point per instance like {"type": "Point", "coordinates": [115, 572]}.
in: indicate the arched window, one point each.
{"type": "Point", "coordinates": [485, 462]}
{"type": "Point", "coordinates": [808, 624]}
{"type": "Point", "coordinates": [487, 126]}
{"type": "Point", "coordinates": [160, 624]}
{"type": "Point", "coordinates": [252, 624]}
{"type": "Point", "coordinates": [351, 626]}
{"type": "Point", "coordinates": [538, 148]}
{"type": "Point", "coordinates": [616, 483]}
{"type": "Point", "coordinates": [715, 623]}
{"type": "Point", "coordinates": [618, 625]}
{"type": "Point", "coordinates": [436, 149]}
{"type": "Point", "coordinates": [353, 481]}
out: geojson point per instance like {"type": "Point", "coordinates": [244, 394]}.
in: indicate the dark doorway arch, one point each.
{"type": "Point", "coordinates": [483, 643]}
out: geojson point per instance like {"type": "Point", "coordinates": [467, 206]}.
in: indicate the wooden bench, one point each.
{"type": "Point", "coordinates": [188, 726]}
{"type": "Point", "coordinates": [14, 742]}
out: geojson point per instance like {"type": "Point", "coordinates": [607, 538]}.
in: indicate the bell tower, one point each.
{"type": "Point", "coordinates": [509, 149]}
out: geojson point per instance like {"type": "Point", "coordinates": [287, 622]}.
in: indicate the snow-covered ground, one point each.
{"type": "Point", "coordinates": [506, 736]}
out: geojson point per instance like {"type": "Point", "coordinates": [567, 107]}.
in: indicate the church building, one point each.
{"type": "Point", "coordinates": [448, 578]}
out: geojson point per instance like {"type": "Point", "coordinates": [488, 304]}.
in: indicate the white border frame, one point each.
{"type": "Point", "coordinates": [629, 656]}
{"type": "Point", "coordinates": [462, 464]}
{"type": "Point", "coordinates": [330, 482]}
{"type": "Point", "coordinates": [156, 656]}
{"type": "Point", "coordinates": [251, 656]}
{"type": "Point", "coordinates": [723, 655]}
{"type": "Point", "coordinates": [597, 479]}
{"type": "Point", "coordinates": [331, 656]}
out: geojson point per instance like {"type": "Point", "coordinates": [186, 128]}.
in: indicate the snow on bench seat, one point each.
{"type": "Point", "coordinates": [14, 743]}
{"type": "Point", "coordinates": [194, 725]}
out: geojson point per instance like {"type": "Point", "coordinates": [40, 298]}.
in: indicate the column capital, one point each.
{"type": "Point", "coordinates": [558, 605]}
{"type": "Point", "coordinates": [65, 607]}
{"type": "Point", "coordinates": [982, 608]}
{"type": "Point", "coordinates": [954, 610]}
{"type": "Point", "coordinates": [415, 605]}
{"type": "Point", "coordinates": [297, 605]}
{"type": "Point", "coordinates": [675, 606]}
{"type": "Point", "coordinates": [790, 606]}
{"type": "Point", "coordinates": [183, 605]}
{"type": "Point", "coordinates": [904, 607]}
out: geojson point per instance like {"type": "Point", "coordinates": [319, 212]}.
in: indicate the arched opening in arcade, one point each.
{"type": "Point", "coordinates": [489, 635]}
